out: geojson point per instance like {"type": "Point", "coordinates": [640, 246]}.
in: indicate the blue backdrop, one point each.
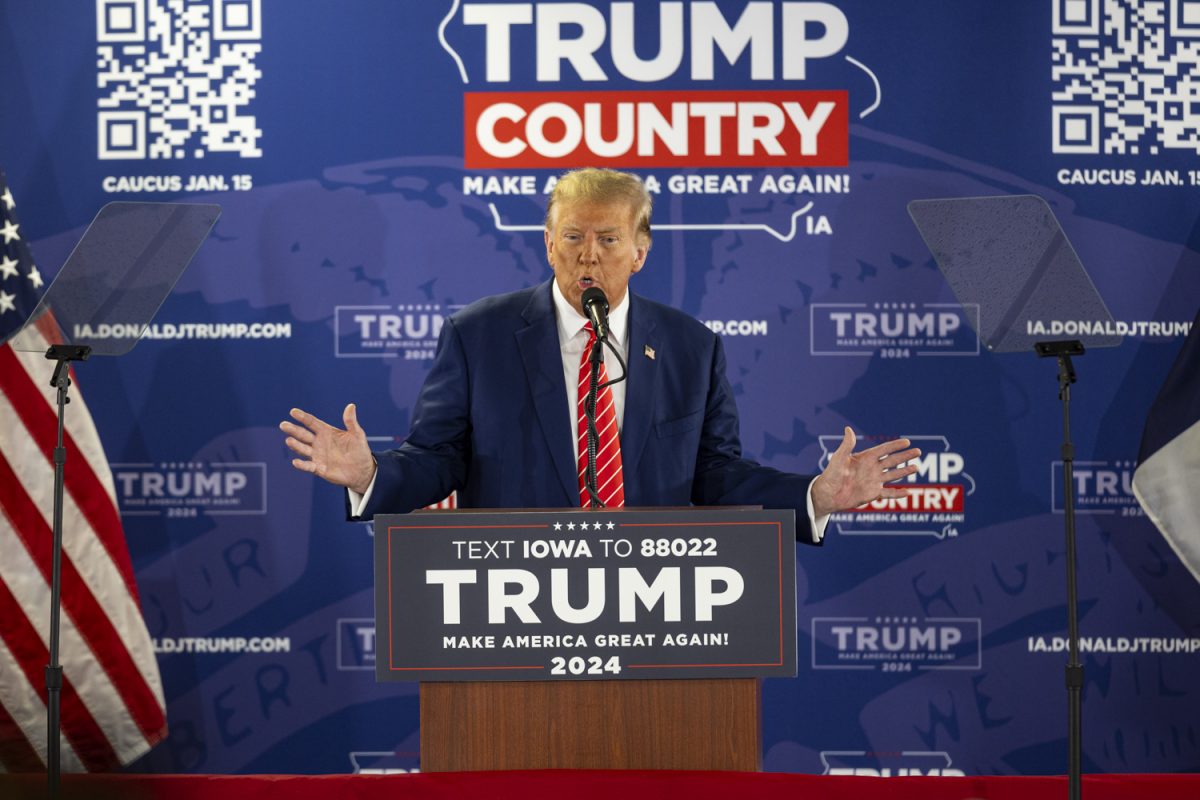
{"type": "Point", "coordinates": [352, 146]}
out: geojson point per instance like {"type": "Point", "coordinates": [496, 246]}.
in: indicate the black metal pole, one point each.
{"type": "Point", "coordinates": [1074, 670]}
{"type": "Point", "coordinates": [61, 381]}
{"type": "Point", "coordinates": [64, 355]}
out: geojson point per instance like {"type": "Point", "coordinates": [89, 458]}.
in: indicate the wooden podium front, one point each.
{"type": "Point", "coordinates": [630, 639]}
{"type": "Point", "coordinates": [702, 724]}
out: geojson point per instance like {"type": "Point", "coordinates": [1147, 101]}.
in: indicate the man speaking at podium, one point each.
{"type": "Point", "coordinates": [501, 416]}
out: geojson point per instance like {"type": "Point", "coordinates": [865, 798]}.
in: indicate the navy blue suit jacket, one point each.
{"type": "Point", "coordinates": [492, 419]}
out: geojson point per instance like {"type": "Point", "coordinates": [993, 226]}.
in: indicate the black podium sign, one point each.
{"type": "Point", "coordinates": [581, 594]}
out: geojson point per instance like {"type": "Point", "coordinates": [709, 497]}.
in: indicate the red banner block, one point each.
{"type": "Point", "coordinates": [504, 130]}
{"type": "Point", "coordinates": [922, 498]}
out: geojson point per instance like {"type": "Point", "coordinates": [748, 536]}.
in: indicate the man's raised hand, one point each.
{"type": "Point", "coordinates": [341, 457]}
{"type": "Point", "coordinates": [851, 479]}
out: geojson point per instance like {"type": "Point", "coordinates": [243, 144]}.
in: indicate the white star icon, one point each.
{"type": "Point", "coordinates": [35, 277]}
{"type": "Point", "coordinates": [8, 267]}
{"type": "Point", "coordinates": [558, 526]}
{"type": "Point", "coordinates": [6, 302]}
{"type": "Point", "coordinates": [7, 199]}
{"type": "Point", "coordinates": [9, 231]}
{"type": "Point", "coordinates": [570, 526]}
{"type": "Point", "coordinates": [611, 526]}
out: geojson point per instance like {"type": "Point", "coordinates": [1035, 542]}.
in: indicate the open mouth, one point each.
{"type": "Point", "coordinates": [585, 282]}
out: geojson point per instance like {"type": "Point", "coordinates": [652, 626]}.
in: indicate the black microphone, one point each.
{"type": "Point", "coordinates": [595, 306]}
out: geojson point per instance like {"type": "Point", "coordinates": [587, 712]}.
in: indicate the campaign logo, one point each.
{"type": "Point", "coordinates": [546, 130]}
{"type": "Point", "coordinates": [408, 331]}
{"type": "Point", "coordinates": [897, 644]}
{"type": "Point", "coordinates": [884, 764]}
{"type": "Point", "coordinates": [935, 503]}
{"type": "Point", "coordinates": [384, 762]}
{"type": "Point", "coordinates": [540, 44]}
{"type": "Point", "coordinates": [185, 489]}
{"type": "Point", "coordinates": [893, 330]}
{"type": "Point", "coordinates": [727, 89]}
{"type": "Point", "coordinates": [1100, 487]}
{"type": "Point", "coordinates": [356, 644]}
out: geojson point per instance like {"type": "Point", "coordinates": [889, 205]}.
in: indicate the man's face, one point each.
{"type": "Point", "coordinates": [594, 244]}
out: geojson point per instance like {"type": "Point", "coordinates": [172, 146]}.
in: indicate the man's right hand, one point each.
{"type": "Point", "coordinates": [341, 457]}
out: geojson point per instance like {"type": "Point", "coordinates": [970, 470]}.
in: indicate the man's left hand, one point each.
{"type": "Point", "coordinates": [852, 479]}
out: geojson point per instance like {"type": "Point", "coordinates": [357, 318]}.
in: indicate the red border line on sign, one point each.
{"type": "Point", "coordinates": [666, 666]}
{"type": "Point", "coordinates": [689, 524]}
{"type": "Point", "coordinates": [460, 527]}
{"type": "Point", "coordinates": [391, 604]}
{"type": "Point", "coordinates": [410, 669]}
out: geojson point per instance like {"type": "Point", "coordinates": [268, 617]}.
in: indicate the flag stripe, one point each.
{"type": "Point", "coordinates": [82, 546]}
{"type": "Point", "coordinates": [95, 690]}
{"type": "Point", "coordinates": [79, 419]}
{"type": "Point", "coordinates": [24, 705]}
{"type": "Point", "coordinates": [16, 753]}
{"type": "Point", "coordinates": [31, 655]}
{"type": "Point", "coordinates": [78, 422]}
{"type": "Point", "coordinates": [79, 479]}
{"type": "Point", "coordinates": [89, 618]}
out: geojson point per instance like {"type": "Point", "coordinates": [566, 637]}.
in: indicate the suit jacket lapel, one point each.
{"type": "Point", "coordinates": [640, 394]}
{"type": "Point", "coordinates": [542, 358]}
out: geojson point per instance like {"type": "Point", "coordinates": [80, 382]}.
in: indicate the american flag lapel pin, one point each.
{"type": "Point", "coordinates": [649, 351]}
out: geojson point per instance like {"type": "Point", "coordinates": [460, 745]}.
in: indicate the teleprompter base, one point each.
{"type": "Point", "coordinates": [633, 724]}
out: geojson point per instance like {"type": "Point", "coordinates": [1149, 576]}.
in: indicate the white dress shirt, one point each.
{"type": "Point", "coordinates": [572, 339]}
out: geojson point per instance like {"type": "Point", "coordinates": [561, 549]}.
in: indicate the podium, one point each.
{"type": "Point", "coordinates": [701, 724]}
{"type": "Point", "coordinates": [587, 639]}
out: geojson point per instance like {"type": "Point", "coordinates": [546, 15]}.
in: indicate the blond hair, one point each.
{"type": "Point", "coordinates": [600, 185]}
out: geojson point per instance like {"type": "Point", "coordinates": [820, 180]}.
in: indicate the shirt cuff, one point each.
{"type": "Point", "coordinates": [358, 502]}
{"type": "Point", "coordinates": [816, 523]}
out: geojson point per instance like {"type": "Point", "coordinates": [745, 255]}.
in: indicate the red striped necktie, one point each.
{"type": "Point", "coordinates": [610, 480]}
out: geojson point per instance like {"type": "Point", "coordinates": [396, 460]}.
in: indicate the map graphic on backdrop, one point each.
{"type": "Point", "coordinates": [381, 165]}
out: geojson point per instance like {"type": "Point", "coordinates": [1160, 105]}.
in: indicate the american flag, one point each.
{"type": "Point", "coordinates": [112, 699]}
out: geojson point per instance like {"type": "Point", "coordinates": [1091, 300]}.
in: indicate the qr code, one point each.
{"type": "Point", "coordinates": [1126, 76]}
{"type": "Point", "coordinates": [177, 77]}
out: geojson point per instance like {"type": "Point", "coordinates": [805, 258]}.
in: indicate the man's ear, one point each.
{"type": "Point", "coordinates": [640, 259]}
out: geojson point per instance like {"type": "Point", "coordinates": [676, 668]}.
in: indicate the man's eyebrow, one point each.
{"type": "Point", "coordinates": [612, 229]}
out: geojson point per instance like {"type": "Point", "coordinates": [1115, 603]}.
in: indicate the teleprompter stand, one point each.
{"type": "Point", "coordinates": [63, 355]}
{"type": "Point", "coordinates": [1010, 256]}
{"type": "Point", "coordinates": [100, 304]}
{"type": "Point", "coordinates": [1063, 350]}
